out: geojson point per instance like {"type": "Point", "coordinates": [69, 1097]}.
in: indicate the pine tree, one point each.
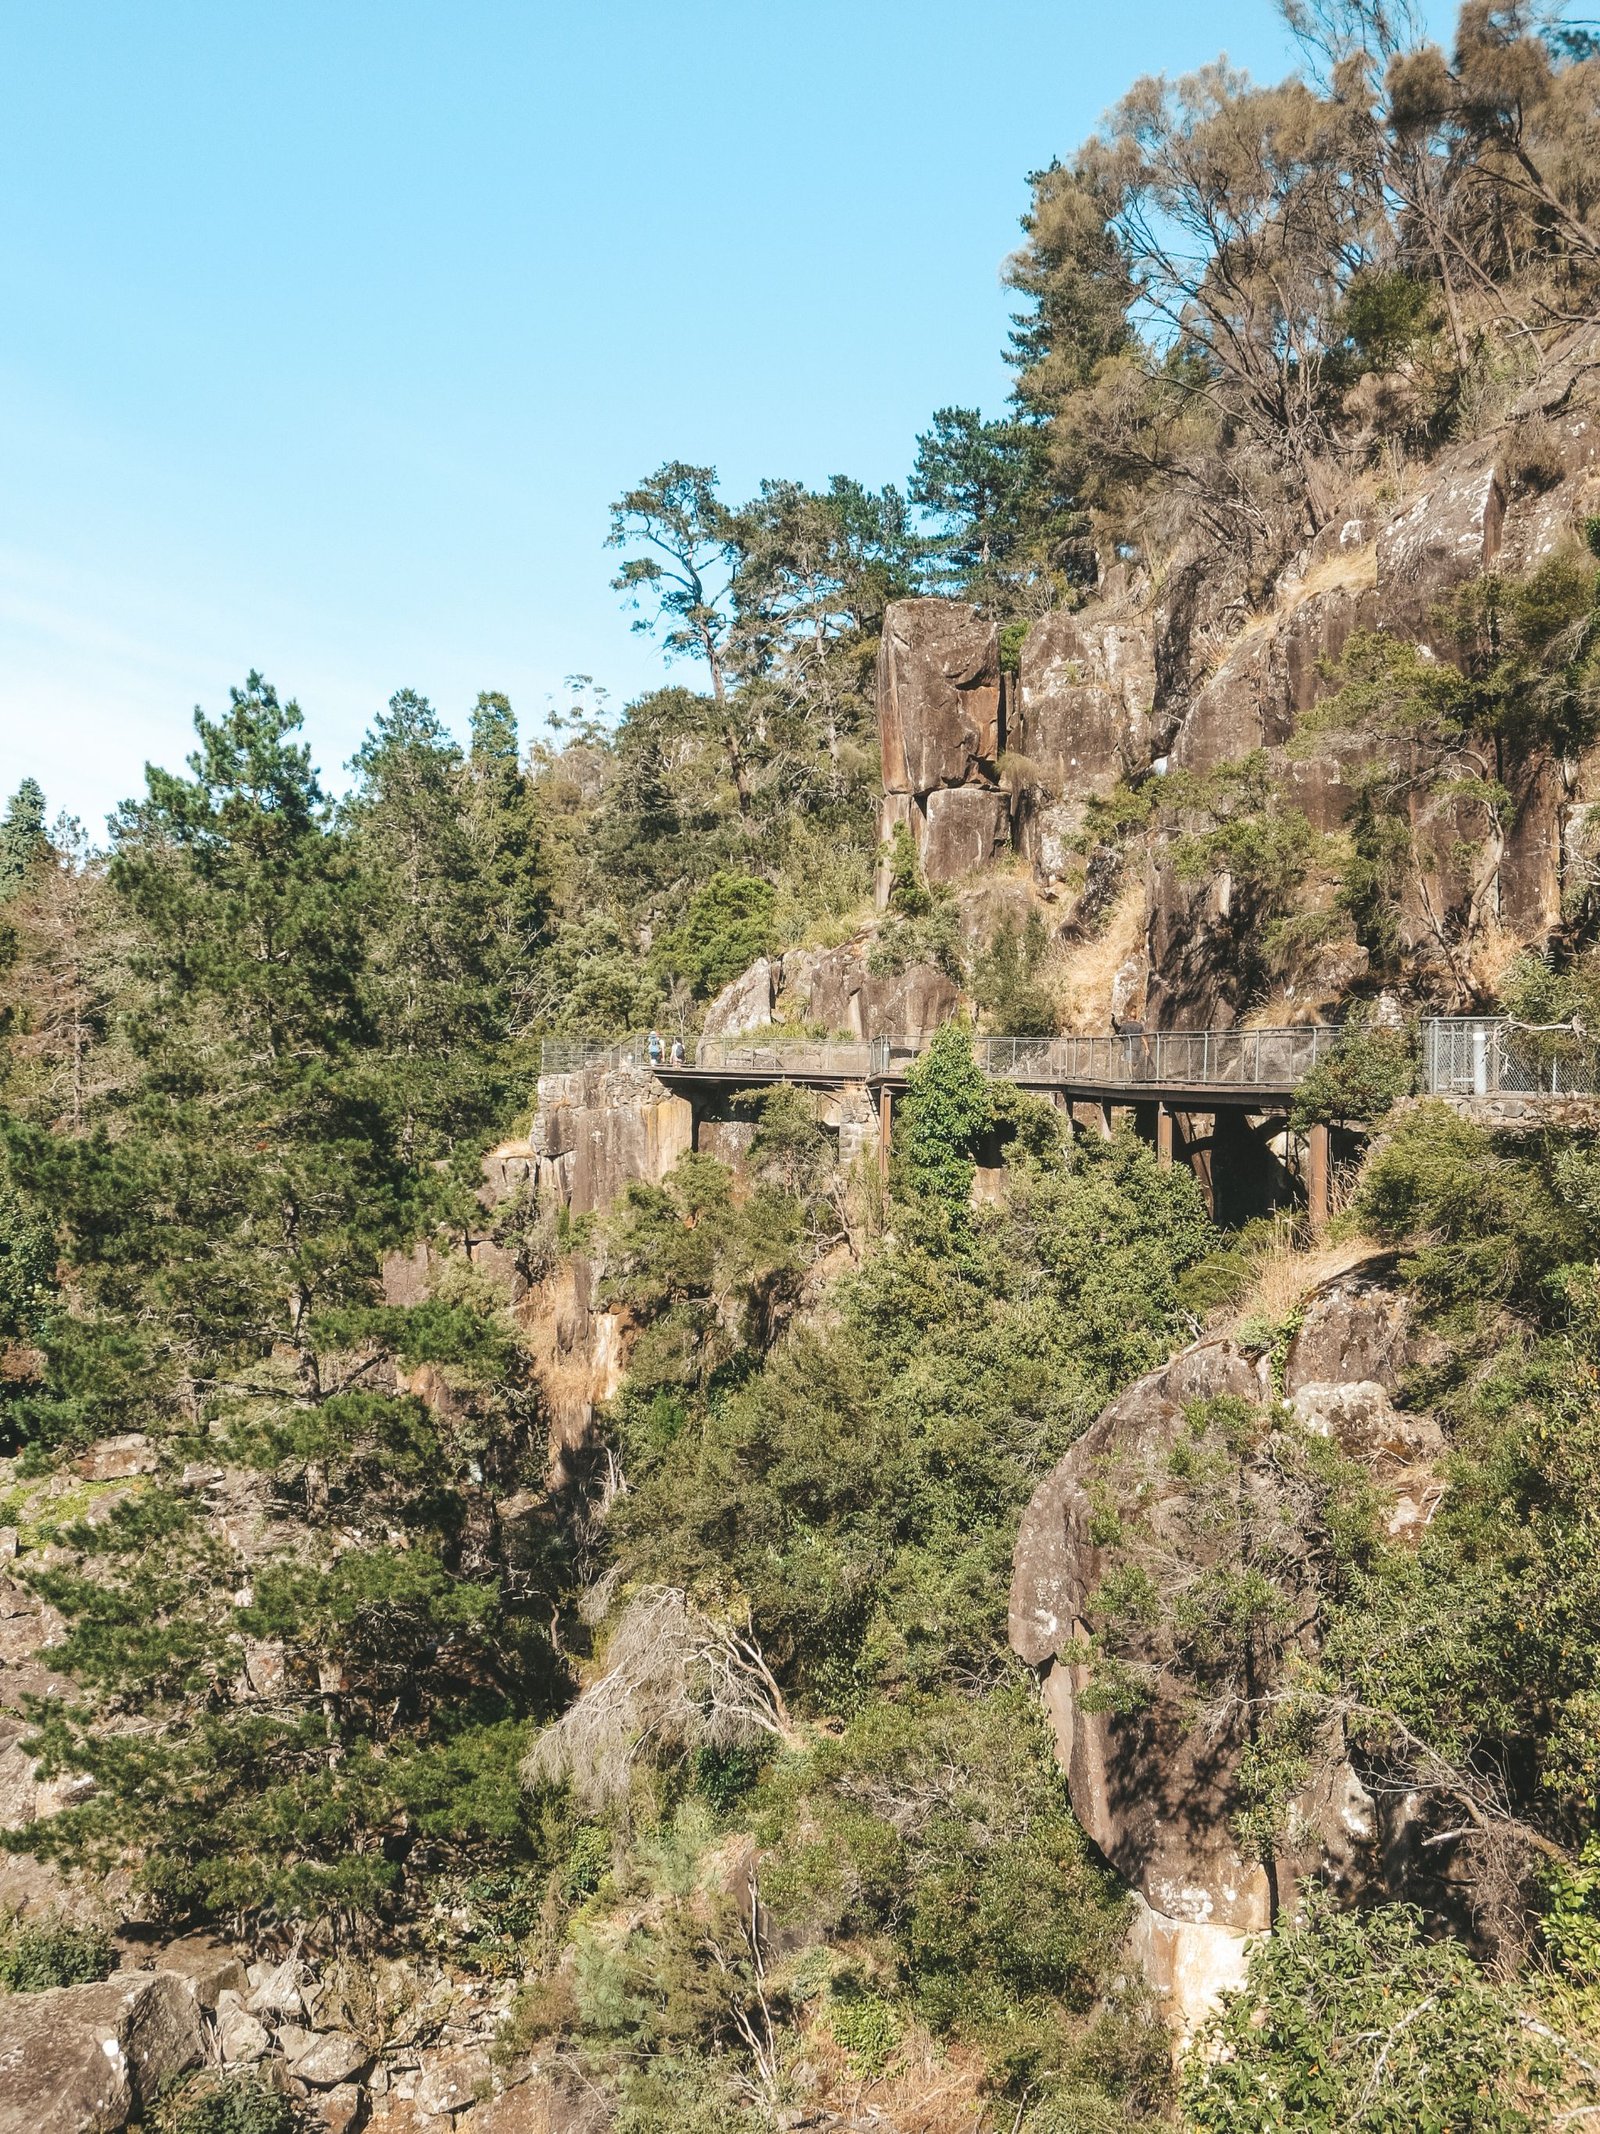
{"type": "Point", "coordinates": [428, 902]}
{"type": "Point", "coordinates": [256, 1177]}
{"type": "Point", "coordinates": [22, 836]}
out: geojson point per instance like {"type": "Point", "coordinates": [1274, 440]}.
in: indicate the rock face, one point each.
{"type": "Point", "coordinates": [938, 696]}
{"type": "Point", "coordinates": [1087, 690]}
{"type": "Point", "coordinates": [835, 989]}
{"type": "Point", "coordinates": [941, 730]}
{"type": "Point", "coordinates": [1200, 670]}
{"type": "Point", "coordinates": [1154, 1790]}
{"type": "Point", "coordinates": [1450, 534]}
{"type": "Point", "coordinates": [746, 1003]}
{"type": "Point", "coordinates": [602, 1128]}
{"type": "Point", "coordinates": [84, 2059]}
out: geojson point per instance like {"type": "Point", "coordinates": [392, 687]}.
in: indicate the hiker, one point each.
{"type": "Point", "coordinates": [677, 1052]}
{"type": "Point", "coordinates": [653, 1047]}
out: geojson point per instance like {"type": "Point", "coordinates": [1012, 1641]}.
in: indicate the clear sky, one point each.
{"type": "Point", "coordinates": [328, 331]}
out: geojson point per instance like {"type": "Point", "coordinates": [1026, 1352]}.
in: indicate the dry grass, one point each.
{"type": "Point", "coordinates": [1348, 570]}
{"type": "Point", "coordinates": [1080, 975]}
{"type": "Point", "coordinates": [1490, 954]}
{"type": "Point", "coordinates": [1287, 1275]}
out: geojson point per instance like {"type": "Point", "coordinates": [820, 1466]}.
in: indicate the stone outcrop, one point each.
{"type": "Point", "coordinates": [938, 696]}
{"type": "Point", "coordinates": [86, 2059]}
{"type": "Point", "coordinates": [1201, 670]}
{"type": "Point", "coordinates": [1086, 693]}
{"type": "Point", "coordinates": [941, 730]}
{"type": "Point", "coordinates": [1155, 1791]}
{"type": "Point", "coordinates": [602, 1128]}
{"type": "Point", "coordinates": [964, 827]}
{"type": "Point", "coordinates": [836, 990]}
{"type": "Point", "coordinates": [1450, 534]}
{"type": "Point", "coordinates": [745, 1003]}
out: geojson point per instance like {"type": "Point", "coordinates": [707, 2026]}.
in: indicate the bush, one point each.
{"type": "Point", "coordinates": [233, 2103]}
{"type": "Point", "coordinates": [1354, 2023]}
{"type": "Point", "coordinates": [728, 925]}
{"type": "Point", "coordinates": [1368, 1074]}
{"type": "Point", "coordinates": [40, 1953]}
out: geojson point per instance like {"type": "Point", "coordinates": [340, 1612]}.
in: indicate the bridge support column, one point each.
{"type": "Point", "coordinates": [1163, 1136]}
{"type": "Point", "coordinates": [1107, 1125]}
{"type": "Point", "coordinates": [885, 1130]}
{"type": "Point", "coordinates": [1317, 1176]}
{"type": "Point", "coordinates": [1199, 1148]}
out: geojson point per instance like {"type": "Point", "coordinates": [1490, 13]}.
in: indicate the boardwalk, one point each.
{"type": "Point", "coordinates": [1243, 1067]}
{"type": "Point", "coordinates": [1213, 1097]}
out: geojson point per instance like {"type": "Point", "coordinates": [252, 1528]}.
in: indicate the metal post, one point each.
{"type": "Point", "coordinates": [1163, 1136]}
{"type": "Point", "coordinates": [885, 1130]}
{"type": "Point", "coordinates": [1107, 1129]}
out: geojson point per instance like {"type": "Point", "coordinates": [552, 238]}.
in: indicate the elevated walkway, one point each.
{"type": "Point", "coordinates": [1213, 1097]}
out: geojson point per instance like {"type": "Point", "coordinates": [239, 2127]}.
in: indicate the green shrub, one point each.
{"type": "Point", "coordinates": [39, 1953]}
{"type": "Point", "coordinates": [1367, 1075]}
{"type": "Point", "coordinates": [728, 925]}
{"type": "Point", "coordinates": [238, 2102]}
{"type": "Point", "coordinates": [1356, 2023]}
{"type": "Point", "coordinates": [866, 2025]}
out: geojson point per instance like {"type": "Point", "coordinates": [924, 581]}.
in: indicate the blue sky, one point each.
{"type": "Point", "coordinates": [328, 332]}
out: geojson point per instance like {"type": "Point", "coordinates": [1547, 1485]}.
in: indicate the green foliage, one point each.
{"type": "Point", "coordinates": [1357, 2023]}
{"type": "Point", "coordinates": [1482, 1221]}
{"type": "Point", "coordinates": [866, 2024]}
{"type": "Point", "coordinates": [1385, 316]}
{"type": "Point", "coordinates": [909, 896]}
{"type": "Point", "coordinates": [27, 1269]}
{"type": "Point", "coordinates": [1005, 980]}
{"type": "Point", "coordinates": [239, 2101]}
{"type": "Point", "coordinates": [727, 926]}
{"type": "Point", "coordinates": [23, 841]}
{"type": "Point", "coordinates": [944, 1112]}
{"type": "Point", "coordinates": [36, 1954]}
{"type": "Point", "coordinates": [1569, 1925]}
{"type": "Point", "coordinates": [1362, 1080]}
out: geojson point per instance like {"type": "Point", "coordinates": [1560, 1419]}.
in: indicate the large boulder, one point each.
{"type": "Point", "coordinates": [1158, 1788]}
{"type": "Point", "coordinates": [1086, 690]}
{"type": "Point", "coordinates": [938, 696]}
{"type": "Point", "coordinates": [85, 2059]}
{"type": "Point", "coordinates": [965, 827]}
{"type": "Point", "coordinates": [745, 1002]}
{"type": "Point", "coordinates": [836, 989]}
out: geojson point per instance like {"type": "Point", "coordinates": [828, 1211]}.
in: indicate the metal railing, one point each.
{"type": "Point", "coordinates": [1490, 1055]}
{"type": "Point", "coordinates": [1178, 1059]}
{"type": "Point", "coordinates": [783, 1058]}
{"type": "Point", "coordinates": [1186, 1059]}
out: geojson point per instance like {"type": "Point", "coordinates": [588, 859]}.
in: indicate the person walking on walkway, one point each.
{"type": "Point", "coordinates": [653, 1047]}
{"type": "Point", "coordinates": [677, 1052]}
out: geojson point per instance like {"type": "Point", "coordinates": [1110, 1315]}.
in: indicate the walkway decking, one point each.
{"type": "Point", "coordinates": [1476, 1055]}
{"type": "Point", "coordinates": [1202, 1067]}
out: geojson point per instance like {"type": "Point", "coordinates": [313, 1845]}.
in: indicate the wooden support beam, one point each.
{"type": "Point", "coordinates": [1163, 1136]}
{"type": "Point", "coordinates": [1317, 1176]}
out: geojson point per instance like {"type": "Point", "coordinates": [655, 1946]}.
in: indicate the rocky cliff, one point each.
{"type": "Point", "coordinates": [1180, 670]}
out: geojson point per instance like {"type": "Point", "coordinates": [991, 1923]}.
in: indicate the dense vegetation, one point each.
{"type": "Point", "coordinates": [707, 1733]}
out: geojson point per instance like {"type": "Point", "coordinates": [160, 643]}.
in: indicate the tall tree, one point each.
{"type": "Point", "coordinates": [427, 906]}
{"type": "Point", "coordinates": [257, 1176]}
{"type": "Point", "coordinates": [682, 583]}
{"type": "Point", "coordinates": [22, 835]}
